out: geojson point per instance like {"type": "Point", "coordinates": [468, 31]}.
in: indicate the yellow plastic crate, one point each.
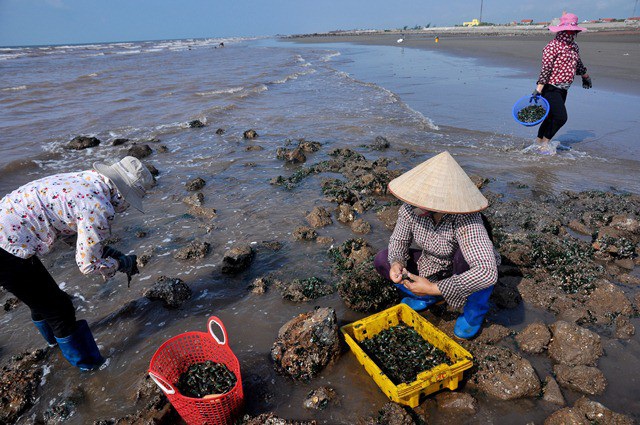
{"type": "Point", "coordinates": [428, 381]}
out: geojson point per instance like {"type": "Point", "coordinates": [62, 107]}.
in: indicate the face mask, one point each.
{"type": "Point", "coordinates": [118, 202]}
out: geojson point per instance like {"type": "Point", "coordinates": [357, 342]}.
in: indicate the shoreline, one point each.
{"type": "Point", "coordinates": [611, 57]}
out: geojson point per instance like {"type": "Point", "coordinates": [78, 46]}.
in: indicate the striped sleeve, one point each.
{"type": "Point", "coordinates": [401, 237]}
{"type": "Point", "coordinates": [478, 252]}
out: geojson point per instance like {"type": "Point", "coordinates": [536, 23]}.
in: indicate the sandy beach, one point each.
{"type": "Point", "coordinates": [612, 57]}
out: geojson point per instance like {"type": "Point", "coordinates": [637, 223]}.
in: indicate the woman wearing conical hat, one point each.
{"type": "Point", "coordinates": [456, 260]}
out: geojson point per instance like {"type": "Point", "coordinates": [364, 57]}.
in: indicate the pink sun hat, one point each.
{"type": "Point", "coordinates": [568, 22]}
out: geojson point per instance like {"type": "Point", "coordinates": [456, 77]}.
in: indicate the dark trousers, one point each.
{"type": "Point", "coordinates": [382, 266]}
{"type": "Point", "coordinates": [557, 111]}
{"type": "Point", "coordinates": [32, 284]}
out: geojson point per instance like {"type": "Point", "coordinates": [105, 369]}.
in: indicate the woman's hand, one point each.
{"type": "Point", "coordinates": [395, 273]}
{"type": "Point", "coordinates": [420, 286]}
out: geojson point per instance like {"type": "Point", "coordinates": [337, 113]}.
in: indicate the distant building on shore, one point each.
{"type": "Point", "coordinates": [473, 23]}
{"type": "Point", "coordinates": [526, 21]}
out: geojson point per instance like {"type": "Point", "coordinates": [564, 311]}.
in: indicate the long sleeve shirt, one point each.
{"type": "Point", "coordinates": [439, 242]}
{"type": "Point", "coordinates": [33, 216]}
{"type": "Point", "coordinates": [561, 61]}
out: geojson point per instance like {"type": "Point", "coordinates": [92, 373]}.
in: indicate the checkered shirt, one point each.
{"type": "Point", "coordinates": [439, 243]}
{"type": "Point", "coordinates": [561, 61]}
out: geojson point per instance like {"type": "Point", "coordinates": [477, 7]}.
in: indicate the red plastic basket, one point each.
{"type": "Point", "coordinates": [176, 355]}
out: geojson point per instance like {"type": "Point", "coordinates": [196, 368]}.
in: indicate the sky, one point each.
{"type": "Point", "coordinates": [33, 22]}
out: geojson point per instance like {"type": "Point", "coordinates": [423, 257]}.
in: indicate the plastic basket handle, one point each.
{"type": "Point", "coordinates": [212, 320]}
{"type": "Point", "coordinates": [162, 383]}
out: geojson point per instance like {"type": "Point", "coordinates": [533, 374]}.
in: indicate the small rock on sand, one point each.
{"type": "Point", "coordinates": [345, 213]}
{"type": "Point", "coordinates": [152, 169]}
{"type": "Point", "coordinates": [534, 338]}
{"type": "Point", "coordinates": [253, 148]}
{"type": "Point", "coordinates": [203, 212]}
{"type": "Point", "coordinates": [220, 131]}
{"type": "Point", "coordinates": [457, 402]}
{"type": "Point", "coordinates": [250, 134]}
{"type": "Point", "coordinates": [584, 379]}
{"type": "Point", "coordinates": [237, 259]}
{"type": "Point", "coordinates": [551, 392]}
{"type": "Point", "coordinates": [119, 141]}
{"type": "Point", "coordinates": [388, 215]}
{"type": "Point", "coordinates": [574, 345]}
{"type": "Point", "coordinates": [324, 240]}
{"type": "Point", "coordinates": [170, 290]}
{"type": "Point", "coordinates": [196, 124]}
{"type": "Point", "coordinates": [139, 151]}
{"type": "Point", "coordinates": [304, 233]}
{"type": "Point", "coordinates": [271, 419]}
{"type": "Point", "coordinates": [319, 399]}
{"type": "Point", "coordinates": [195, 184]}
{"type": "Point", "coordinates": [391, 414]}
{"type": "Point", "coordinates": [492, 334]}
{"type": "Point", "coordinates": [624, 328]}
{"type": "Point", "coordinates": [608, 301]}
{"type": "Point", "coordinates": [381, 143]}
{"type": "Point", "coordinates": [196, 200]}
{"type": "Point", "coordinates": [319, 217]}
{"type": "Point", "coordinates": [584, 412]}
{"type": "Point", "coordinates": [10, 304]}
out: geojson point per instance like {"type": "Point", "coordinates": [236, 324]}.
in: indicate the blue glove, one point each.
{"type": "Point", "coordinates": [586, 83]}
{"type": "Point", "coordinates": [536, 93]}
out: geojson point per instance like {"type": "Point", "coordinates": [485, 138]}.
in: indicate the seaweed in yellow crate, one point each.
{"type": "Point", "coordinates": [202, 379]}
{"type": "Point", "coordinates": [402, 353]}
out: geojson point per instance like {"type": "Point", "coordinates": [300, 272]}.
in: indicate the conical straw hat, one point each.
{"type": "Point", "coordinates": [441, 185]}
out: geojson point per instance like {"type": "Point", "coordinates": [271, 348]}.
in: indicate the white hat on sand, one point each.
{"type": "Point", "coordinates": [131, 177]}
{"type": "Point", "coordinates": [441, 185]}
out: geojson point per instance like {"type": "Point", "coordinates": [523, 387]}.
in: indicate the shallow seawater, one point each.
{"type": "Point", "coordinates": [283, 91]}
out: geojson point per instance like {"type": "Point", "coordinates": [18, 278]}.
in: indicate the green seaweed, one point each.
{"type": "Point", "coordinates": [402, 353]}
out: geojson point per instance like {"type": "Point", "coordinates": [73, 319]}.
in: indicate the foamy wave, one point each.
{"type": "Point", "coordinates": [17, 88]}
{"type": "Point", "coordinates": [93, 74]}
{"type": "Point", "coordinates": [128, 52]}
{"type": "Point", "coordinates": [12, 56]}
{"type": "Point", "coordinates": [254, 90]}
{"type": "Point", "coordinates": [293, 76]}
{"type": "Point", "coordinates": [225, 91]}
{"type": "Point", "coordinates": [329, 56]}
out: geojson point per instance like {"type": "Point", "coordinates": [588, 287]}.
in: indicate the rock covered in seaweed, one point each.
{"type": "Point", "coordinates": [363, 289]}
{"type": "Point", "coordinates": [272, 419]}
{"type": "Point", "coordinates": [194, 250]}
{"type": "Point", "coordinates": [351, 253]}
{"type": "Point", "coordinates": [307, 344]}
{"type": "Point", "coordinates": [302, 290]}
{"type": "Point", "coordinates": [170, 290]}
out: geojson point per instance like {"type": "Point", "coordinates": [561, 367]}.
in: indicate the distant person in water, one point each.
{"type": "Point", "coordinates": [221, 45]}
{"type": "Point", "coordinates": [560, 63]}
{"type": "Point", "coordinates": [35, 215]}
{"type": "Point", "coordinates": [456, 260]}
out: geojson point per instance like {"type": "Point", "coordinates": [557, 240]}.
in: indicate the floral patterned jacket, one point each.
{"type": "Point", "coordinates": [561, 61]}
{"type": "Point", "coordinates": [33, 216]}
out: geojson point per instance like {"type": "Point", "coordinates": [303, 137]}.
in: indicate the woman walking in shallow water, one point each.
{"type": "Point", "coordinates": [560, 63]}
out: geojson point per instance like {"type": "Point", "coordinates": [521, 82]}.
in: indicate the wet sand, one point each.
{"type": "Point", "coordinates": [612, 58]}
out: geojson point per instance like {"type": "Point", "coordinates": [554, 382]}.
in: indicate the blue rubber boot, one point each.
{"type": "Point", "coordinates": [415, 302]}
{"type": "Point", "coordinates": [470, 321]}
{"type": "Point", "coordinates": [46, 332]}
{"type": "Point", "coordinates": [80, 348]}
